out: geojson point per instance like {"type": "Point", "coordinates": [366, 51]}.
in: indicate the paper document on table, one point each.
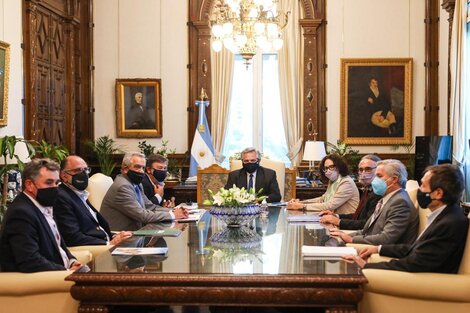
{"type": "Point", "coordinates": [303, 218]}
{"type": "Point", "coordinates": [169, 232]}
{"type": "Point", "coordinates": [277, 204]}
{"type": "Point", "coordinates": [194, 216]}
{"type": "Point", "coordinates": [139, 251]}
{"type": "Point", "coordinates": [335, 252]}
{"type": "Point", "coordinates": [190, 207]}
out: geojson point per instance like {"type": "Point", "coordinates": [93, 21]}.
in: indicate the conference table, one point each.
{"type": "Point", "coordinates": [208, 264]}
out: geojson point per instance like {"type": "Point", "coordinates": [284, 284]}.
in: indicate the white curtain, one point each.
{"type": "Point", "coordinates": [222, 73]}
{"type": "Point", "coordinates": [459, 105]}
{"type": "Point", "coordinates": [290, 83]}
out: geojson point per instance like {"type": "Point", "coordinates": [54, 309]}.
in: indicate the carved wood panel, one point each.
{"type": "Point", "coordinates": [57, 35]}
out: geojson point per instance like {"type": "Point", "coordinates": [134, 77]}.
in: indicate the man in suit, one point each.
{"type": "Point", "coordinates": [30, 241]}
{"type": "Point", "coordinates": [395, 219]}
{"type": "Point", "coordinates": [153, 182]}
{"type": "Point", "coordinates": [78, 221]}
{"type": "Point", "coordinates": [439, 247]}
{"type": "Point", "coordinates": [125, 206]}
{"type": "Point", "coordinates": [252, 175]}
{"type": "Point", "coordinates": [367, 203]}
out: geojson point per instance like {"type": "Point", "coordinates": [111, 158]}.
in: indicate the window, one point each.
{"type": "Point", "coordinates": [255, 117]}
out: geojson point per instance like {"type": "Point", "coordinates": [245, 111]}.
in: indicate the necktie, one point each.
{"type": "Point", "coordinates": [377, 210]}
{"type": "Point", "coordinates": [139, 195]}
{"type": "Point", "coordinates": [250, 182]}
{"type": "Point", "coordinates": [361, 204]}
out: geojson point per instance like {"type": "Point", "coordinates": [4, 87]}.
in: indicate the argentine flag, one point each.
{"type": "Point", "coordinates": [202, 150]}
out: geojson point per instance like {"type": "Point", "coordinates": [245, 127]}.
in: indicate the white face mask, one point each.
{"type": "Point", "coordinates": [332, 175]}
{"type": "Point", "coordinates": [366, 178]}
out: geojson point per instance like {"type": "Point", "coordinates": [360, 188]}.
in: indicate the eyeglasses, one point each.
{"type": "Point", "coordinates": [366, 169]}
{"type": "Point", "coordinates": [331, 167]}
{"type": "Point", "coordinates": [79, 170]}
{"type": "Point", "coordinates": [250, 161]}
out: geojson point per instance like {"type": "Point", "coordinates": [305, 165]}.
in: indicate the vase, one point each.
{"type": "Point", "coordinates": [235, 216]}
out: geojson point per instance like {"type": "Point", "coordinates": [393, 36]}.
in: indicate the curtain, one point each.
{"type": "Point", "coordinates": [222, 73]}
{"type": "Point", "coordinates": [459, 102]}
{"type": "Point", "coordinates": [289, 80]}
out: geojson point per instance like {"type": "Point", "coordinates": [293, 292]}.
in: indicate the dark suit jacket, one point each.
{"type": "Point", "coordinates": [439, 249]}
{"type": "Point", "coordinates": [265, 178]}
{"type": "Point", "coordinates": [27, 243]}
{"type": "Point", "coordinates": [76, 224]}
{"type": "Point", "coordinates": [347, 222]}
{"type": "Point", "coordinates": [150, 191]}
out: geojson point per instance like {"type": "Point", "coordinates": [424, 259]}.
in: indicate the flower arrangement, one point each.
{"type": "Point", "coordinates": [234, 197]}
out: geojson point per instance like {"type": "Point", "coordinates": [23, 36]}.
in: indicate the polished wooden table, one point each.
{"type": "Point", "coordinates": [210, 265]}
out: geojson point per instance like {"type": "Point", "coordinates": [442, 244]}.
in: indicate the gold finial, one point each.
{"type": "Point", "coordinates": [203, 95]}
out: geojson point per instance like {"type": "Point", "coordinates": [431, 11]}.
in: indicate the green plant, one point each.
{"type": "Point", "coordinates": [51, 151]}
{"type": "Point", "coordinates": [104, 148]}
{"type": "Point", "coordinates": [145, 148]}
{"type": "Point", "coordinates": [173, 167]}
{"type": "Point", "coordinates": [344, 150]}
{"type": "Point", "coordinates": [408, 148]}
{"type": "Point", "coordinates": [7, 149]}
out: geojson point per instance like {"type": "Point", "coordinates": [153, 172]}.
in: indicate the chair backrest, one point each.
{"type": "Point", "coordinates": [213, 177]}
{"type": "Point", "coordinates": [98, 185]}
{"type": "Point", "coordinates": [281, 174]}
{"type": "Point", "coordinates": [464, 267]}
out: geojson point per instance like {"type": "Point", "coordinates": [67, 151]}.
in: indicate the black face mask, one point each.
{"type": "Point", "coordinates": [47, 196]}
{"type": "Point", "coordinates": [424, 199]}
{"type": "Point", "coordinates": [80, 180]}
{"type": "Point", "coordinates": [135, 177]}
{"type": "Point", "coordinates": [159, 175]}
{"type": "Point", "coordinates": [250, 167]}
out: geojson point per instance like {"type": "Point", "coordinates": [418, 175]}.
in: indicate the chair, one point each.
{"type": "Point", "coordinates": [286, 178]}
{"type": "Point", "coordinates": [213, 177]}
{"type": "Point", "coordinates": [394, 291]}
{"type": "Point", "coordinates": [98, 185]}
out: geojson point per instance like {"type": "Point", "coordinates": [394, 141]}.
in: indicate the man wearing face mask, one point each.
{"type": "Point", "coordinates": [395, 219]}
{"type": "Point", "coordinates": [367, 202]}
{"type": "Point", "coordinates": [29, 239]}
{"type": "Point", "coordinates": [78, 221]}
{"type": "Point", "coordinates": [252, 175]}
{"type": "Point", "coordinates": [125, 205]}
{"type": "Point", "coordinates": [439, 247]}
{"type": "Point", "coordinates": [153, 182]}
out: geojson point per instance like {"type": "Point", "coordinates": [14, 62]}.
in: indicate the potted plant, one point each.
{"type": "Point", "coordinates": [235, 206]}
{"type": "Point", "coordinates": [104, 149]}
{"type": "Point", "coordinates": [11, 161]}
{"type": "Point", "coordinates": [344, 150]}
{"type": "Point", "coordinates": [51, 151]}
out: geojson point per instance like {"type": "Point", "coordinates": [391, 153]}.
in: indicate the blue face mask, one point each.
{"type": "Point", "coordinates": [379, 186]}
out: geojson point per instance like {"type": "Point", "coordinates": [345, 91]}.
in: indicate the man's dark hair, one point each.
{"type": "Point", "coordinates": [155, 158]}
{"type": "Point", "coordinates": [338, 161]}
{"type": "Point", "coordinates": [32, 169]}
{"type": "Point", "coordinates": [449, 178]}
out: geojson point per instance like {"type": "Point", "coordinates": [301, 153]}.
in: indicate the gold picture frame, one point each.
{"type": "Point", "coordinates": [139, 108]}
{"type": "Point", "coordinates": [4, 76]}
{"type": "Point", "coordinates": [376, 106]}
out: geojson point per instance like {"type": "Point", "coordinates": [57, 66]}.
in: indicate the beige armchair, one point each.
{"type": "Point", "coordinates": [394, 291]}
{"type": "Point", "coordinates": [42, 292]}
{"type": "Point", "coordinates": [98, 185]}
{"type": "Point", "coordinates": [285, 177]}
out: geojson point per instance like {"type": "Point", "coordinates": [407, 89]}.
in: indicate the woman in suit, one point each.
{"type": "Point", "coordinates": [341, 196]}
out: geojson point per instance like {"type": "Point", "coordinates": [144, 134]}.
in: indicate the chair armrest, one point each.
{"type": "Point", "coordinates": [23, 284]}
{"type": "Point", "coordinates": [82, 256]}
{"type": "Point", "coordinates": [95, 249]}
{"type": "Point", "coordinates": [425, 286]}
{"type": "Point", "coordinates": [376, 258]}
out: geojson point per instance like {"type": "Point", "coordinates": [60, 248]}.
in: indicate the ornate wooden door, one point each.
{"type": "Point", "coordinates": [57, 79]}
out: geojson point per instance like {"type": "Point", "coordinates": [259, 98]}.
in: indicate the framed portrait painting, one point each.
{"type": "Point", "coordinates": [138, 108]}
{"type": "Point", "coordinates": [4, 73]}
{"type": "Point", "coordinates": [376, 101]}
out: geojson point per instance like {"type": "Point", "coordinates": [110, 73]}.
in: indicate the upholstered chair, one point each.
{"type": "Point", "coordinates": [98, 185]}
{"type": "Point", "coordinates": [214, 177]}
